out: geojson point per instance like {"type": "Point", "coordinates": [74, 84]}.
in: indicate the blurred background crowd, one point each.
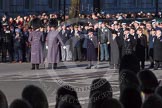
{"type": "Point", "coordinates": [137, 33]}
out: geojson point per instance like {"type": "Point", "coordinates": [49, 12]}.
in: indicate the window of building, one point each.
{"type": "Point", "coordinates": [1, 4]}
{"type": "Point", "coordinates": [86, 6]}
{"type": "Point", "coordinates": [107, 4]}
{"type": "Point", "coordinates": [53, 4]}
{"type": "Point", "coordinates": [147, 3]}
{"type": "Point", "coordinates": [50, 4]}
{"type": "Point", "coordinates": [28, 4]}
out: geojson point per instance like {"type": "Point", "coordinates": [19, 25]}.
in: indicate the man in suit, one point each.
{"type": "Point", "coordinates": [65, 53]}
{"type": "Point", "coordinates": [76, 45]}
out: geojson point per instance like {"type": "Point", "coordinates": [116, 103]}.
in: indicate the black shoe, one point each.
{"type": "Point", "coordinates": [151, 66]}
{"type": "Point", "coordinates": [37, 66]}
{"type": "Point", "coordinates": [33, 67]}
{"type": "Point", "coordinates": [55, 66]}
{"type": "Point", "coordinates": [89, 67]}
{"type": "Point", "coordinates": [155, 68]}
{"type": "Point", "coordinates": [94, 67]}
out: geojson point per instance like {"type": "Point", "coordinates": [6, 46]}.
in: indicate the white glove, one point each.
{"type": "Point", "coordinates": [64, 47]}
{"type": "Point", "coordinates": [46, 47]}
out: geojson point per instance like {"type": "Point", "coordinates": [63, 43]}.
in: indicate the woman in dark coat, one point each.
{"type": "Point", "coordinates": [35, 39]}
{"type": "Point", "coordinates": [115, 44]}
{"type": "Point", "coordinates": [53, 41]}
{"type": "Point", "coordinates": [91, 45]}
{"type": "Point", "coordinates": [158, 49]}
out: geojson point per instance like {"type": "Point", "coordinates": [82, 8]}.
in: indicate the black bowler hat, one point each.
{"type": "Point", "coordinates": [128, 79]}
{"type": "Point", "coordinates": [35, 96]}
{"type": "Point", "coordinates": [111, 103]}
{"type": "Point", "coordinates": [101, 85]}
{"type": "Point", "coordinates": [3, 100]}
{"type": "Point", "coordinates": [20, 103]}
{"type": "Point", "coordinates": [158, 91]}
{"type": "Point", "coordinates": [65, 90]}
{"type": "Point", "coordinates": [148, 81]}
{"type": "Point", "coordinates": [90, 30]}
{"type": "Point", "coordinates": [127, 29]}
{"type": "Point", "coordinates": [131, 98]}
{"type": "Point", "coordinates": [68, 101]}
{"type": "Point", "coordinates": [53, 22]}
{"type": "Point", "coordinates": [153, 101]}
{"type": "Point", "coordinates": [114, 32]}
{"type": "Point", "coordinates": [130, 62]}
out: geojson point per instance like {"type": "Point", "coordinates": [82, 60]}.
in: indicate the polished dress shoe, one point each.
{"type": "Point", "coordinates": [89, 67]}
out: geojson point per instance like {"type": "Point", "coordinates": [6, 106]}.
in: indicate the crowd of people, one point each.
{"type": "Point", "coordinates": [108, 40]}
{"type": "Point", "coordinates": [138, 89]}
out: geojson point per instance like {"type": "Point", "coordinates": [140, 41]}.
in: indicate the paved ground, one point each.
{"type": "Point", "coordinates": [14, 77]}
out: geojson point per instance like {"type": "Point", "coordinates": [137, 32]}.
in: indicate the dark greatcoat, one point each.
{"type": "Point", "coordinates": [115, 53]}
{"type": "Point", "coordinates": [128, 44]}
{"type": "Point", "coordinates": [53, 41]}
{"type": "Point", "coordinates": [158, 49]}
{"type": "Point", "coordinates": [35, 38]}
{"type": "Point", "coordinates": [92, 45]}
{"type": "Point", "coordinates": [140, 47]}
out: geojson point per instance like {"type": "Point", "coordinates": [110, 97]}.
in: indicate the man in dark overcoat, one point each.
{"type": "Point", "coordinates": [115, 44]}
{"type": "Point", "coordinates": [140, 47]}
{"type": "Point", "coordinates": [35, 39]}
{"type": "Point", "coordinates": [157, 49]}
{"type": "Point", "coordinates": [128, 43]}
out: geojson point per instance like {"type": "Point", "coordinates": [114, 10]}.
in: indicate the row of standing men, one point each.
{"type": "Point", "coordinates": [78, 44]}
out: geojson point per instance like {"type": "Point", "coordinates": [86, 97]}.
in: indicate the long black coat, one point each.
{"type": "Point", "coordinates": [92, 44]}
{"type": "Point", "coordinates": [128, 44]}
{"type": "Point", "coordinates": [140, 47]}
{"type": "Point", "coordinates": [158, 49]}
{"type": "Point", "coordinates": [115, 44]}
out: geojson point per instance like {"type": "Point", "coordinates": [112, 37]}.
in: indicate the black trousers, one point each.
{"type": "Point", "coordinates": [77, 55]}
{"type": "Point", "coordinates": [6, 48]}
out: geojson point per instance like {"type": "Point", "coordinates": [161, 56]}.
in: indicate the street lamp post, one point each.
{"type": "Point", "coordinates": [157, 7]}
{"type": "Point", "coordinates": [64, 9]}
